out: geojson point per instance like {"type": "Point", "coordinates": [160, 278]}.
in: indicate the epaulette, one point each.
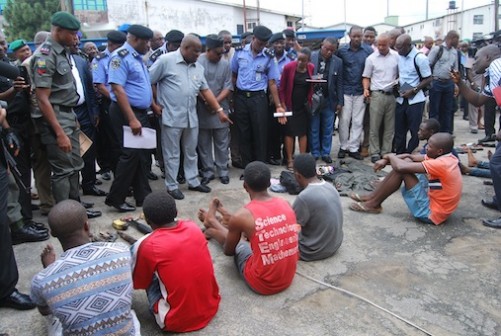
{"type": "Point", "coordinates": [101, 56]}
{"type": "Point", "coordinates": [156, 54]}
{"type": "Point", "coordinates": [269, 53]}
{"type": "Point", "coordinates": [239, 48]}
{"type": "Point", "coordinates": [45, 48]}
{"type": "Point", "coordinates": [292, 56]}
{"type": "Point", "coordinates": [122, 53]}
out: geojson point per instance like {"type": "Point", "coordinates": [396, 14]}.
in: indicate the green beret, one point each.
{"type": "Point", "coordinates": [17, 44]}
{"type": "Point", "coordinates": [65, 20]}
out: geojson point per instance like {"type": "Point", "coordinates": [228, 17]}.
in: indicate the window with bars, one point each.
{"type": "Point", "coordinates": [96, 5]}
{"type": "Point", "coordinates": [478, 19]}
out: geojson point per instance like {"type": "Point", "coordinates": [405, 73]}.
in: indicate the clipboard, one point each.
{"type": "Point", "coordinates": [85, 143]}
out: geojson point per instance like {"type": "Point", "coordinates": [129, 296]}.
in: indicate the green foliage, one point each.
{"type": "Point", "coordinates": [26, 17]}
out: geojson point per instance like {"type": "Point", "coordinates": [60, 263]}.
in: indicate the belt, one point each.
{"type": "Point", "coordinates": [249, 94]}
{"type": "Point", "coordinates": [63, 108]}
{"type": "Point", "coordinates": [139, 110]}
{"type": "Point", "coordinates": [442, 79]}
{"type": "Point", "coordinates": [388, 93]}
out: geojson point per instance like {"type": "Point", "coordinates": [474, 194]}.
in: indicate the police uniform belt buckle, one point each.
{"type": "Point", "coordinates": [248, 94]}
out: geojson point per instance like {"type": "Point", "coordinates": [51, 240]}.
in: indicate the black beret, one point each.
{"type": "Point", "coordinates": [65, 20]}
{"type": "Point", "coordinates": [262, 33]}
{"type": "Point", "coordinates": [174, 36]}
{"type": "Point", "coordinates": [141, 32]}
{"type": "Point", "coordinates": [289, 33]}
{"type": "Point", "coordinates": [116, 36]}
{"type": "Point", "coordinates": [213, 41]}
{"type": "Point", "coordinates": [244, 35]}
{"type": "Point", "coordinates": [277, 37]}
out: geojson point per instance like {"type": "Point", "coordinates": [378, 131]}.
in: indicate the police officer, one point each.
{"type": "Point", "coordinates": [254, 72]}
{"type": "Point", "coordinates": [106, 143]}
{"type": "Point", "coordinates": [172, 42]}
{"type": "Point", "coordinates": [131, 97]}
{"type": "Point", "coordinates": [291, 45]}
{"type": "Point", "coordinates": [57, 95]}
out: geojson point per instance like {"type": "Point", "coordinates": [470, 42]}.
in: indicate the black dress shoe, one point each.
{"type": "Point", "coordinates": [181, 179]}
{"type": "Point", "coordinates": [341, 154]}
{"type": "Point", "coordinates": [124, 207]}
{"type": "Point", "coordinates": [98, 182]}
{"type": "Point", "coordinates": [327, 159]}
{"type": "Point", "coordinates": [28, 234]}
{"type": "Point", "coordinates": [493, 223]}
{"type": "Point", "coordinates": [106, 176]}
{"type": "Point", "coordinates": [224, 179]}
{"type": "Point", "coordinates": [273, 162]}
{"type": "Point", "coordinates": [490, 204]}
{"type": "Point", "coordinates": [40, 227]}
{"type": "Point", "coordinates": [201, 188]}
{"type": "Point", "coordinates": [87, 205]}
{"type": "Point", "coordinates": [17, 301]}
{"type": "Point", "coordinates": [176, 194]}
{"type": "Point", "coordinates": [95, 191]}
{"type": "Point", "coordinates": [356, 155]}
{"type": "Point", "coordinates": [487, 138]}
{"type": "Point", "coordinates": [93, 213]}
{"type": "Point", "coordinates": [206, 180]}
{"type": "Point", "coordinates": [152, 176]}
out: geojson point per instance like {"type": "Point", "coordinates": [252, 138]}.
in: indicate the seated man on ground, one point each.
{"type": "Point", "coordinates": [174, 265]}
{"type": "Point", "coordinates": [268, 263]}
{"type": "Point", "coordinates": [318, 211]}
{"type": "Point", "coordinates": [431, 201]}
{"type": "Point", "coordinates": [88, 289]}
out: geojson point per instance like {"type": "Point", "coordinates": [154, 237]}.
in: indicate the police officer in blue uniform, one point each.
{"type": "Point", "coordinates": [254, 73]}
{"type": "Point", "coordinates": [291, 45]}
{"type": "Point", "coordinates": [106, 143]}
{"type": "Point", "coordinates": [172, 42]}
{"type": "Point", "coordinates": [131, 97]}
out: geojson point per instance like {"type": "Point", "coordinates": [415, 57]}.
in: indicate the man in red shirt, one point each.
{"type": "Point", "coordinates": [268, 263]}
{"type": "Point", "coordinates": [174, 265]}
{"type": "Point", "coordinates": [432, 182]}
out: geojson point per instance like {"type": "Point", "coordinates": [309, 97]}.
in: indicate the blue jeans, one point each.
{"type": "Point", "coordinates": [321, 126]}
{"type": "Point", "coordinates": [442, 104]}
{"type": "Point", "coordinates": [407, 118]}
{"type": "Point", "coordinates": [481, 170]}
{"type": "Point", "coordinates": [417, 199]}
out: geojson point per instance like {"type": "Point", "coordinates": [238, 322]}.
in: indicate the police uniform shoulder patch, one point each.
{"type": "Point", "coordinates": [93, 65]}
{"type": "Point", "coordinates": [115, 63]}
{"type": "Point", "coordinates": [123, 52]}
{"type": "Point", "coordinates": [292, 56]}
{"type": "Point", "coordinates": [239, 48]}
{"type": "Point", "coordinates": [40, 66]}
{"type": "Point", "coordinates": [156, 54]}
{"type": "Point", "coordinates": [269, 53]}
{"type": "Point", "coordinates": [100, 56]}
{"type": "Point", "coordinates": [45, 48]}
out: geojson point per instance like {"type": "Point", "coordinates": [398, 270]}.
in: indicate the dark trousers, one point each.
{"type": "Point", "coordinates": [407, 118]}
{"type": "Point", "coordinates": [490, 117]}
{"type": "Point", "coordinates": [88, 171]}
{"type": "Point", "coordinates": [442, 104]}
{"type": "Point", "coordinates": [23, 161]}
{"type": "Point", "coordinates": [106, 146]}
{"type": "Point", "coordinates": [275, 137]}
{"type": "Point", "coordinates": [251, 119]}
{"type": "Point", "coordinates": [132, 165]}
{"type": "Point", "coordinates": [8, 270]}
{"type": "Point", "coordinates": [495, 167]}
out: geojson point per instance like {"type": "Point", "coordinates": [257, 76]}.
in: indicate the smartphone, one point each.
{"type": "Point", "coordinates": [23, 72]}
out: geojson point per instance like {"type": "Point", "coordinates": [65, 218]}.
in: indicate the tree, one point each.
{"type": "Point", "coordinates": [26, 17]}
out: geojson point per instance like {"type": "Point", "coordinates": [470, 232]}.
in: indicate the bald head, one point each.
{"type": "Point", "coordinates": [383, 44]}
{"type": "Point", "coordinates": [403, 44]}
{"type": "Point", "coordinates": [394, 34]}
{"type": "Point", "coordinates": [191, 47]}
{"type": "Point", "coordinates": [442, 141]}
{"type": "Point", "coordinates": [428, 42]}
{"type": "Point", "coordinates": [67, 218]}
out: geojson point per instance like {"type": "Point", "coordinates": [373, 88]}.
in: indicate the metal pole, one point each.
{"type": "Point", "coordinates": [426, 10]}
{"type": "Point", "coordinates": [496, 15]}
{"type": "Point", "coordinates": [258, 19]}
{"type": "Point", "coordinates": [245, 17]}
{"type": "Point", "coordinates": [302, 15]}
{"type": "Point", "coordinates": [345, 18]}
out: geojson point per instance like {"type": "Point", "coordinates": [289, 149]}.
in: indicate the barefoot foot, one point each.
{"type": "Point", "coordinates": [48, 256]}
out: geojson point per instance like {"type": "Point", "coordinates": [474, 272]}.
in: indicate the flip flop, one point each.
{"type": "Point", "coordinates": [356, 197]}
{"type": "Point", "coordinates": [360, 207]}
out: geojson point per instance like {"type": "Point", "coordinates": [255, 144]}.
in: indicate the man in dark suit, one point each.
{"type": "Point", "coordinates": [87, 112]}
{"type": "Point", "coordinates": [327, 97]}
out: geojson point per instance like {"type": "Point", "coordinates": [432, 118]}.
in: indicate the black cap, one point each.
{"type": "Point", "coordinates": [116, 36]}
{"type": "Point", "coordinates": [277, 37]}
{"type": "Point", "coordinates": [213, 41]}
{"type": "Point", "coordinates": [245, 35]}
{"type": "Point", "coordinates": [289, 33]}
{"type": "Point", "coordinates": [174, 36]}
{"type": "Point", "coordinates": [141, 32]}
{"type": "Point", "coordinates": [262, 33]}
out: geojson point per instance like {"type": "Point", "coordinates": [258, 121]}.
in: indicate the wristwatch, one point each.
{"type": "Point", "coordinates": [415, 90]}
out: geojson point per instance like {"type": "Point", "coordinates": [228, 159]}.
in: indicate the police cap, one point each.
{"type": "Point", "coordinates": [289, 33]}
{"type": "Point", "coordinates": [213, 41]}
{"type": "Point", "coordinates": [174, 36]}
{"type": "Point", "coordinates": [141, 32]}
{"type": "Point", "coordinates": [65, 20]}
{"type": "Point", "coordinates": [17, 44]}
{"type": "Point", "coordinates": [262, 33]}
{"type": "Point", "coordinates": [116, 36]}
{"type": "Point", "coordinates": [277, 37]}
{"type": "Point", "coordinates": [244, 35]}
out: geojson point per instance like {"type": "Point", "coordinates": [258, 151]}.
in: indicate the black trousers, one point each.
{"type": "Point", "coordinates": [106, 146]}
{"type": "Point", "coordinates": [88, 172]}
{"type": "Point", "coordinates": [8, 271]}
{"type": "Point", "coordinates": [132, 165]}
{"type": "Point", "coordinates": [251, 119]}
{"type": "Point", "coordinates": [275, 134]}
{"type": "Point", "coordinates": [490, 117]}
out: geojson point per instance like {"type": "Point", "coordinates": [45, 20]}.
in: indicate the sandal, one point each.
{"type": "Point", "coordinates": [290, 165]}
{"type": "Point", "coordinates": [356, 197]}
{"type": "Point", "coordinates": [360, 207]}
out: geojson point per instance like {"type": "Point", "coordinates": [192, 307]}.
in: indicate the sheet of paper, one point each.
{"type": "Point", "coordinates": [390, 86]}
{"type": "Point", "coordinates": [147, 139]}
{"type": "Point", "coordinates": [85, 143]}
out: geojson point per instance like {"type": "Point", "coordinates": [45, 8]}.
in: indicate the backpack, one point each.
{"type": "Point", "coordinates": [288, 180]}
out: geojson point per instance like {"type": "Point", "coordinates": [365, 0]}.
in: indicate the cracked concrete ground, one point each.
{"type": "Point", "coordinates": [443, 279]}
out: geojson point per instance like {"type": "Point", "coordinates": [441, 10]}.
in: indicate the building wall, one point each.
{"type": "Point", "coordinates": [188, 16]}
{"type": "Point", "coordinates": [463, 22]}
